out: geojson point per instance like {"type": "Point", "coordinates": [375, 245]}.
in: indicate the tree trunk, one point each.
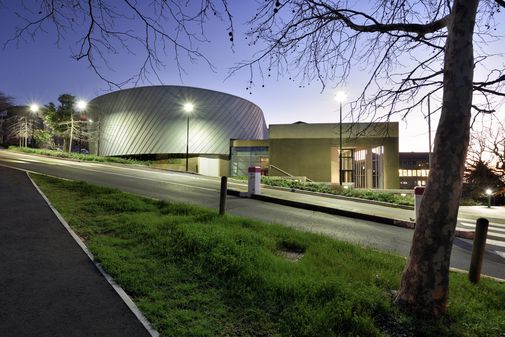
{"type": "Point", "coordinates": [71, 133]}
{"type": "Point", "coordinates": [425, 281]}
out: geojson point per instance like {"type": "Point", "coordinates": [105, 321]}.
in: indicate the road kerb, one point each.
{"type": "Point", "coordinates": [341, 212]}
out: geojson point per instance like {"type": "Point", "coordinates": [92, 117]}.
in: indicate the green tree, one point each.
{"type": "Point", "coordinates": [43, 139]}
{"type": "Point", "coordinates": [59, 118]}
{"type": "Point", "coordinates": [5, 101]}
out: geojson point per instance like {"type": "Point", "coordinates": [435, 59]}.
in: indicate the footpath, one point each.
{"type": "Point", "coordinates": [48, 285]}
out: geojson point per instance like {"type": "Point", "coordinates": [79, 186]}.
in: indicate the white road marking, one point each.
{"type": "Point", "coordinates": [499, 232]}
{"type": "Point", "coordinates": [131, 176]}
{"type": "Point", "coordinates": [499, 253]}
{"type": "Point", "coordinates": [495, 242]}
{"type": "Point", "coordinates": [15, 161]}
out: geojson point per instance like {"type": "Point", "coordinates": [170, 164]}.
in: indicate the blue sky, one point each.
{"type": "Point", "coordinates": [39, 71]}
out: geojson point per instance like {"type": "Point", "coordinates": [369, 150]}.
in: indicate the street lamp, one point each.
{"type": "Point", "coordinates": [80, 106]}
{"type": "Point", "coordinates": [340, 97]}
{"type": "Point", "coordinates": [188, 108]}
{"type": "Point", "coordinates": [489, 193]}
{"type": "Point", "coordinates": [34, 108]}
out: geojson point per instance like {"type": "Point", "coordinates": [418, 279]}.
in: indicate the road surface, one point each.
{"type": "Point", "coordinates": [204, 191]}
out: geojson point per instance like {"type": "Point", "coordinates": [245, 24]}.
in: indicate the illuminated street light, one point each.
{"type": "Point", "coordinates": [340, 97]}
{"type": "Point", "coordinates": [188, 108]}
{"type": "Point", "coordinates": [34, 108]}
{"type": "Point", "coordinates": [80, 106]}
{"type": "Point", "coordinates": [489, 193]}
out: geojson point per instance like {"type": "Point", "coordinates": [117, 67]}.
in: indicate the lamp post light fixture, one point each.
{"type": "Point", "coordinates": [489, 193]}
{"type": "Point", "coordinates": [188, 108]}
{"type": "Point", "coordinates": [340, 97]}
{"type": "Point", "coordinates": [80, 106]}
{"type": "Point", "coordinates": [34, 108]}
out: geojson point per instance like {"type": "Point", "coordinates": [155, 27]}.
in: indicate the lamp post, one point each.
{"type": "Point", "coordinates": [340, 97]}
{"type": "Point", "coordinates": [80, 106]}
{"type": "Point", "coordinates": [188, 108]}
{"type": "Point", "coordinates": [34, 108]}
{"type": "Point", "coordinates": [489, 193]}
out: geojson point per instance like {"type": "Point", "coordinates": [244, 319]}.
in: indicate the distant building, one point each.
{"type": "Point", "coordinates": [369, 153]}
{"type": "Point", "coordinates": [150, 123]}
{"type": "Point", "coordinates": [228, 134]}
{"type": "Point", "coordinates": [414, 169]}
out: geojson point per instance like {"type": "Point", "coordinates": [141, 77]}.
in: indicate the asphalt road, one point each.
{"type": "Point", "coordinates": [204, 191]}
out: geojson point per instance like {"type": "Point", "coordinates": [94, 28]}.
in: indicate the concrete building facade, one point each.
{"type": "Point", "coordinates": [369, 153]}
{"type": "Point", "coordinates": [227, 134]}
{"type": "Point", "coordinates": [150, 122]}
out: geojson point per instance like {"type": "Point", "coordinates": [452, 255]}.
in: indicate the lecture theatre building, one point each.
{"type": "Point", "coordinates": [227, 134]}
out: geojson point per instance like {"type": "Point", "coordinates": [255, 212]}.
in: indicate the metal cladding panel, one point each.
{"type": "Point", "coordinates": [150, 120]}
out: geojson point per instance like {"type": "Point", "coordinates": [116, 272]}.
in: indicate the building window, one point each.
{"type": "Point", "coordinates": [347, 166]}
{"type": "Point", "coordinates": [360, 168]}
{"type": "Point", "coordinates": [244, 157]}
{"type": "Point", "coordinates": [378, 167]}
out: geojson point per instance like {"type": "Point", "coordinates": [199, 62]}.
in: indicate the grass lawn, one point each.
{"type": "Point", "coordinates": [194, 273]}
{"type": "Point", "coordinates": [78, 156]}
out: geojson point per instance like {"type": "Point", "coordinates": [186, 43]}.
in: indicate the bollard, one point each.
{"type": "Point", "coordinates": [222, 196]}
{"type": "Point", "coordinates": [418, 196]}
{"type": "Point", "coordinates": [479, 243]}
{"type": "Point", "coordinates": [254, 181]}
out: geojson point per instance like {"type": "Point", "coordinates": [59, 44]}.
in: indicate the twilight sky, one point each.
{"type": "Point", "coordinates": [39, 70]}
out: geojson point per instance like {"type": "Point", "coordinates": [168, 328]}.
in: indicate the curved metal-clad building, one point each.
{"type": "Point", "coordinates": [151, 120]}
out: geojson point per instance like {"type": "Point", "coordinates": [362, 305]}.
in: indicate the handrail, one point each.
{"type": "Point", "coordinates": [282, 171]}
{"type": "Point", "coordinates": [287, 173]}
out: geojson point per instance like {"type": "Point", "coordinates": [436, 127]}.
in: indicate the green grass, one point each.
{"type": "Point", "coordinates": [78, 156]}
{"type": "Point", "coordinates": [194, 273]}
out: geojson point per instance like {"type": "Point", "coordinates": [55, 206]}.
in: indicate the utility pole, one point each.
{"type": "Point", "coordinates": [429, 132]}
{"type": "Point", "coordinates": [340, 148]}
{"type": "Point", "coordinates": [71, 131]}
{"type": "Point", "coordinates": [26, 132]}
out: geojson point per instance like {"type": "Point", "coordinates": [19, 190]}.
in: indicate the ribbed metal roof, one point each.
{"type": "Point", "coordinates": [150, 120]}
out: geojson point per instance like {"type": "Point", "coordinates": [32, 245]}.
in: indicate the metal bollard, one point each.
{"type": "Point", "coordinates": [479, 243]}
{"type": "Point", "coordinates": [222, 196]}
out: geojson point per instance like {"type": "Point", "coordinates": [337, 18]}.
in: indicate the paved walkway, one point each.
{"type": "Point", "coordinates": [48, 285]}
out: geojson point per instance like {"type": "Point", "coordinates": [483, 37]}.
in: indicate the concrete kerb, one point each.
{"type": "Point", "coordinates": [117, 288]}
{"type": "Point", "coordinates": [327, 195]}
{"type": "Point", "coordinates": [340, 212]}
{"type": "Point", "coordinates": [339, 197]}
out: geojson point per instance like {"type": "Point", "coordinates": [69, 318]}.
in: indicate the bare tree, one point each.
{"type": "Point", "coordinates": [149, 31]}
{"type": "Point", "coordinates": [496, 145]}
{"type": "Point", "coordinates": [411, 49]}
{"type": "Point", "coordinates": [488, 146]}
{"type": "Point", "coordinates": [325, 39]}
{"type": "Point", "coordinates": [21, 128]}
